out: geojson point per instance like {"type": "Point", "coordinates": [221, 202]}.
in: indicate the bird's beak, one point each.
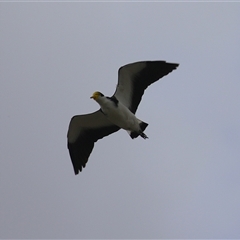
{"type": "Point", "coordinates": [93, 96]}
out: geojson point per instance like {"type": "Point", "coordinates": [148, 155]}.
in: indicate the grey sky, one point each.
{"type": "Point", "coordinates": [183, 182]}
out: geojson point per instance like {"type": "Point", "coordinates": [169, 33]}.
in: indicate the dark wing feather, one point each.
{"type": "Point", "coordinates": [134, 78]}
{"type": "Point", "coordinates": [83, 131]}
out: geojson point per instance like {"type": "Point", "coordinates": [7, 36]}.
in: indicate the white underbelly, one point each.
{"type": "Point", "coordinates": [122, 117]}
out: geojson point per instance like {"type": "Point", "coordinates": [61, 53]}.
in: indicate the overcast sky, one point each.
{"type": "Point", "coordinates": [183, 182]}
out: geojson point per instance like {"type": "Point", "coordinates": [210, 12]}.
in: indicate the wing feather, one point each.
{"type": "Point", "coordinates": [134, 78]}
{"type": "Point", "coordinates": [83, 131]}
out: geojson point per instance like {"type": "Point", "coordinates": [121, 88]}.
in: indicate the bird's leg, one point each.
{"type": "Point", "coordinates": [143, 135]}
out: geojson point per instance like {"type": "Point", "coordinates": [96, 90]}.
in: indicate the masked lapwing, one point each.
{"type": "Point", "coordinates": [116, 112]}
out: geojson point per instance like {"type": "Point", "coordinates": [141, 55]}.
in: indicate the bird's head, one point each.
{"type": "Point", "coordinates": [96, 95]}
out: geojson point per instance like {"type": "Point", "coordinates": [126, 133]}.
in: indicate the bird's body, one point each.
{"type": "Point", "coordinates": [119, 114]}
{"type": "Point", "coordinates": [116, 112]}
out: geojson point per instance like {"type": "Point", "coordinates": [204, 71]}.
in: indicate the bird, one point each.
{"type": "Point", "coordinates": [116, 112]}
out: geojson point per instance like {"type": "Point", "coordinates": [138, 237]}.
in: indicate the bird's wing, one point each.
{"type": "Point", "coordinates": [134, 78]}
{"type": "Point", "coordinates": [83, 131]}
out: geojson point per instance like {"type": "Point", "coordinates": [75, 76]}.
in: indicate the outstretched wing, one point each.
{"type": "Point", "coordinates": [83, 131]}
{"type": "Point", "coordinates": [134, 78]}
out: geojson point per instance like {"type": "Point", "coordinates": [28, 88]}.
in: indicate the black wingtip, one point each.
{"type": "Point", "coordinates": [78, 169]}
{"type": "Point", "coordinates": [175, 65]}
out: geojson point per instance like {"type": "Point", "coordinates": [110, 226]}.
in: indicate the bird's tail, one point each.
{"type": "Point", "coordinates": [142, 126]}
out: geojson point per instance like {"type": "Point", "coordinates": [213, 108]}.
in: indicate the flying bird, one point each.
{"type": "Point", "coordinates": [116, 112]}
